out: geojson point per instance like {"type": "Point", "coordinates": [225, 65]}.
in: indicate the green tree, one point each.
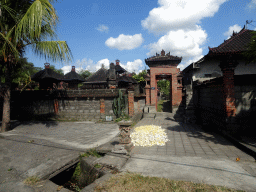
{"type": "Point", "coordinates": [164, 86]}
{"type": "Point", "coordinates": [22, 72]}
{"type": "Point", "coordinates": [141, 76]}
{"type": "Point", "coordinates": [27, 23]}
{"type": "Point", "coordinates": [85, 73]}
{"type": "Point", "coordinates": [250, 54]}
{"type": "Point", "coordinates": [60, 71]}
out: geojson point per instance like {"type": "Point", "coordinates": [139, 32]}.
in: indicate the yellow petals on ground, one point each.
{"type": "Point", "coordinates": [148, 135]}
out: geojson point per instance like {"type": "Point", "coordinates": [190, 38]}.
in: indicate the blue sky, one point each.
{"type": "Point", "coordinates": [101, 31]}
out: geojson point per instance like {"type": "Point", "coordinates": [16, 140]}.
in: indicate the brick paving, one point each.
{"type": "Point", "coordinates": [189, 140]}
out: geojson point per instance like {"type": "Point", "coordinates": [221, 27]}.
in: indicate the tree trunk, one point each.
{"type": "Point", "coordinates": [7, 100]}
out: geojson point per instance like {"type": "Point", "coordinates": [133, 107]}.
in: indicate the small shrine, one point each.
{"type": "Point", "coordinates": [114, 77]}
{"type": "Point", "coordinates": [73, 79]}
{"type": "Point", "coordinates": [47, 78]}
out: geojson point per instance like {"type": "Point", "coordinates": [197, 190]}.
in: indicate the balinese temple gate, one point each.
{"type": "Point", "coordinates": [164, 66]}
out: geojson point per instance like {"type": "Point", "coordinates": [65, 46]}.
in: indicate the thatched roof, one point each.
{"type": "Point", "coordinates": [73, 76]}
{"type": "Point", "coordinates": [47, 74]}
{"type": "Point", "coordinates": [99, 76]}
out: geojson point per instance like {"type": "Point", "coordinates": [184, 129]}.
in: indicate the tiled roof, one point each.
{"type": "Point", "coordinates": [166, 57]}
{"type": "Point", "coordinates": [46, 73]}
{"type": "Point", "coordinates": [235, 44]}
{"type": "Point", "coordinates": [119, 69]}
{"type": "Point", "coordinates": [99, 76]}
{"type": "Point", "coordinates": [73, 76]}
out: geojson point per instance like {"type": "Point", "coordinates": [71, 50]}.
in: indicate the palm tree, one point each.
{"type": "Point", "coordinates": [27, 23]}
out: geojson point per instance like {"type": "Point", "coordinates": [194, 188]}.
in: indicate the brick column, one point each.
{"type": "Point", "coordinates": [131, 103]}
{"type": "Point", "coordinates": [56, 106]}
{"type": "Point", "coordinates": [102, 106]}
{"type": "Point", "coordinates": [227, 68]}
{"type": "Point", "coordinates": [147, 90]}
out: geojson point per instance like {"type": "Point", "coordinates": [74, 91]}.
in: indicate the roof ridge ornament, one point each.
{"type": "Point", "coordinates": [47, 65]}
{"type": "Point", "coordinates": [162, 53]}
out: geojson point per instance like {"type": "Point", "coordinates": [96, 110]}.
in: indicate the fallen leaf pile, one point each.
{"type": "Point", "coordinates": [148, 135]}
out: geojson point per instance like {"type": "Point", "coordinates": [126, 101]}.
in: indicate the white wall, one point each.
{"type": "Point", "coordinates": [208, 67]}
{"type": "Point", "coordinates": [245, 69]}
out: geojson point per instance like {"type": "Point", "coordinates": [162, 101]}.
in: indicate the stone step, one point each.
{"type": "Point", "coordinates": [149, 109]}
{"type": "Point", "coordinates": [149, 115]}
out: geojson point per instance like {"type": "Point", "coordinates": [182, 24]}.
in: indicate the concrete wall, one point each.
{"type": "Point", "coordinates": [210, 108]}
{"type": "Point", "coordinates": [73, 104]}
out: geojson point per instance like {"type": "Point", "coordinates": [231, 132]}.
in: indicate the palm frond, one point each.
{"type": "Point", "coordinates": [39, 14]}
{"type": "Point", "coordinates": [11, 12]}
{"type": "Point", "coordinates": [7, 46]}
{"type": "Point", "coordinates": [53, 50]}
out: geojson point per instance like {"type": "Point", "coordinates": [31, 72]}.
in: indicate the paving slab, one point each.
{"type": "Point", "coordinates": [220, 172]}
{"type": "Point", "coordinates": [44, 149]}
{"type": "Point", "coordinates": [113, 160]}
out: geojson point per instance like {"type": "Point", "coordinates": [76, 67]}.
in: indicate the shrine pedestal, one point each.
{"type": "Point", "coordinates": [125, 145]}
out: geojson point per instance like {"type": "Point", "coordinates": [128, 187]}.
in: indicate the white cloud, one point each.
{"type": "Point", "coordinates": [179, 14]}
{"type": "Point", "coordinates": [179, 23]}
{"type": "Point", "coordinates": [133, 66]}
{"type": "Point", "coordinates": [103, 28]}
{"type": "Point", "coordinates": [86, 64]}
{"type": "Point", "coordinates": [235, 28]}
{"type": "Point", "coordinates": [66, 69]}
{"type": "Point", "coordinates": [125, 42]}
{"type": "Point", "coordinates": [104, 62]}
{"type": "Point", "coordinates": [181, 43]}
{"type": "Point", "coordinates": [252, 4]}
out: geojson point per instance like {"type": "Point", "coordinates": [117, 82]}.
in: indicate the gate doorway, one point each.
{"type": "Point", "coordinates": [164, 66]}
{"type": "Point", "coordinates": [164, 93]}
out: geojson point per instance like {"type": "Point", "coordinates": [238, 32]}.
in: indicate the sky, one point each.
{"type": "Point", "coordinates": [101, 31]}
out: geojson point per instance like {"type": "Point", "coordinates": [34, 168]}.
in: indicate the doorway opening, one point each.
{"type": "Point", "coordinates": [164, 93]}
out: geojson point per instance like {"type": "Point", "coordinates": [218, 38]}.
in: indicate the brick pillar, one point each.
{"type": "Point", "coordinates": [131, 103]}
{"type": "Point", "coordinates": [227, 68]}
{"type": "Point", "coordinates": [56, 106]}
{"type": "Point", "coordinates": [153, 85]}
{"type": "Point", "coordinates": [147, 90]}
{"type": "Point", "coordinates": [102, 106]}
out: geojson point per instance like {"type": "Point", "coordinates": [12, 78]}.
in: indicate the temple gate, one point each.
{"type": "Point", "coordinates": [164, 66]}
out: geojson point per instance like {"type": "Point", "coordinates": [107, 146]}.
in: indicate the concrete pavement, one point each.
{"type": "Point", "coordinates": [191, 154]}
{"type": "Point", "coordinates": [190, 141]}
{"type": "Point", "coordinates": [44, 149]}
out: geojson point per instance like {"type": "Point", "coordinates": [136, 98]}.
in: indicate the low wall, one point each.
{"type": "Point", "coordinates": [90, 104]}
{"type": "Point", "coordinates": [210, 105]}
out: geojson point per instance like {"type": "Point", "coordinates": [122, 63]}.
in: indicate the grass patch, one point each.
{"type": "Point", "coordinates": [137, 182]}
{"type": "Point", "coordinates": [31, 180]}
{"type": "Point", "coordinates": [160, 105]}
{"type": "Point", "coordinates": [91, 152]}
{"type": "Point", "coordinates": [97, 165]}
{"type": "Point", "coordinates": [75, 183]}
{"type": "Point", "coordinates": [123, 117]}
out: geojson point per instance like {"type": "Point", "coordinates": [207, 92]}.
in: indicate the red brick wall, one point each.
{"type": "Point", "coordinates": [176, 88]}
{"type": "Point", "coordinates": [147, 90]}
{"type": "Point", "coordinates": [131, 103]}
{"type": "Point", "coordinates": [102, 106]}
